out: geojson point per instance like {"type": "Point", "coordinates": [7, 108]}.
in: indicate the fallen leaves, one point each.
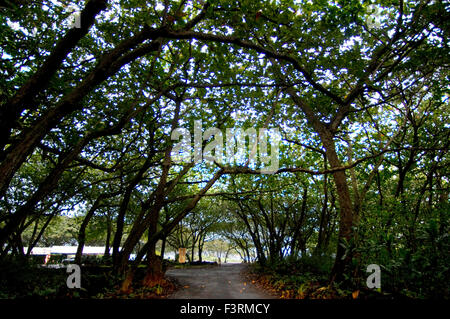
{"type": "Point", "coordinates": [158, 291]}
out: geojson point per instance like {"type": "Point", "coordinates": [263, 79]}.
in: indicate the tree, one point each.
{"type": "Point", "coordinates": [358, 90]}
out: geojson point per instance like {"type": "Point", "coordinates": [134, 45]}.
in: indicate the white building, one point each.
{"type": "Point", "coordinates": [67, 250]}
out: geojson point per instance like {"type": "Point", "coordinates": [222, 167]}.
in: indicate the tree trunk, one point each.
{"type": "Point", "coordinates": [30, 242]}
{"type": "Point", "coordinates": [166, 230]}
{"type": "Point", "coordinates": [107, 66]}
{"type": "Point", "coordinates": [155, 273]}
{"type": "Point", "coordinates": [194, 242]}
{"type": "Point", "coordinates": [124, 205]}
{"type": "Point", "coordinates": [41, 232]}
{"type": "Point", "coordinates": [82, 231]}
{"type": "Point", "coordinates": [323, 215]}
{"type": "Point", "coordinates": [346, 221]}
{"type": "Point", "coordinates": [201, 242]}
{"type": "Point", "coordinates": [134, 237]}
{"type": "Point", "coordinates": [52, 179]}
{"type": "Point", "coordinates": [108, 237]}
{"type": "Point", "coordinates": [25, 96]}
{"type": "Point", "coordinates": [163, 247]}
{"type": "Point", "coordinates": [344, 251]}
{"type": "Point", "coordinates": [299, 223]}
{"type": "Point", "coordinates": [119, 226]}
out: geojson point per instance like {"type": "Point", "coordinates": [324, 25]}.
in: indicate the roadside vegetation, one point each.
{"type": "Point", "coordinates": [344, 105]}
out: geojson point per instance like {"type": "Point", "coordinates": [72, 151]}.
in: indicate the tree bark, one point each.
{"type": "Point", "coordinates": [108, 65]}
{"type": "Point", "coordinates": [120, 221]}
{"type": "Point", "coordinates": [108, 237]}
{"type": "Point", "coordinates": [323, 214]}
{"type": "Point", "coordinates": [25, 96]}
{"type": "Point", "coordinates": [166, 230]}
{"type": "Point", "coordinates": [346, 220]}
{"type": "Point", "coordinates": [344, 251]}
{"type": "Point", "coordinates": [52, 179]}
{"type": "Point", "coordinates": [155, 273]}
{"type": "Point", "coordinates": [82, 231]}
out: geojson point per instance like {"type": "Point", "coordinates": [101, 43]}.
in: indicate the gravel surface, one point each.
{"type": "Point", "coordinates": [215, 282]}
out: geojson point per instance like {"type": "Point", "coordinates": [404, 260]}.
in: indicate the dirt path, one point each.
{"type": "Point", "coordinates": [221, 282]}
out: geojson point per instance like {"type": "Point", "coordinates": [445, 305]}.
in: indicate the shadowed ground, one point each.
{"type": "Point", "coordinates": [221, 282]}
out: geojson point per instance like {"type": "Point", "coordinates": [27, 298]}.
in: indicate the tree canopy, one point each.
{"type": "Point", "coordinates": [92, 90]}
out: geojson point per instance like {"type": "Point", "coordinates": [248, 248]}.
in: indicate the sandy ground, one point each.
{"type": "Point", "coordinates": [221, 282]}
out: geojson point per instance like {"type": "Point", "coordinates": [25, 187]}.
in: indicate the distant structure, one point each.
{"type": "Point", "coordinates": [70, 251]}
{"type": "Point", "coordinates": [67, 250]}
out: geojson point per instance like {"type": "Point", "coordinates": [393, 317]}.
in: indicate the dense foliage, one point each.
{"type": "Point", "coordinates": [357, 89]}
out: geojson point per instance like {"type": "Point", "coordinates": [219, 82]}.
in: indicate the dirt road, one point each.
{"type": "Point", "coordinates": [221, 282]}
